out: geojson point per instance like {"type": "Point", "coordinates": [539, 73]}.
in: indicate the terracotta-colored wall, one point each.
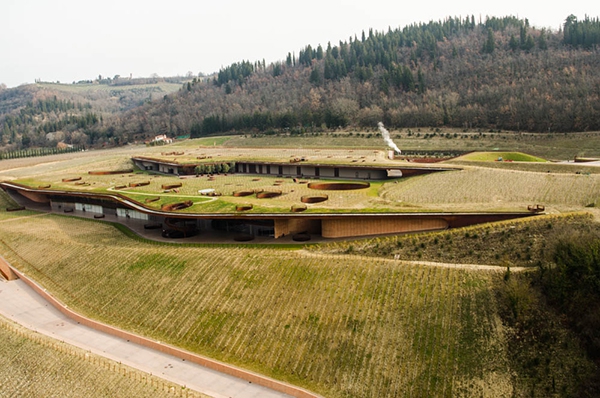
{"type": "Point", "coordinates": [362, 226]}
{"type": "Point", "coordinates": [458, 221]}
{"type": "Point", "coordinates": [296, 225]}
{"type": "Point", "coordinates": [35, 197]}
{"type": "Point", "coordinates": [281, 228]}
{"type": "Point", "coordinates": [179, 353]}
{"type": "Point", "coordinates": [6, 270]}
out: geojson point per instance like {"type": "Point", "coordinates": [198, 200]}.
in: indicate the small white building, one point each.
{"type": "Point", "coordinates": [163, 139]}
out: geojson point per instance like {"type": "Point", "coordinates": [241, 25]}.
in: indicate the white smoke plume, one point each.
{"type": "Point", "coordinates": [386, 137]}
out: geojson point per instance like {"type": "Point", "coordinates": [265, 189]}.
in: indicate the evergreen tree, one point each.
{"type": "Point", "coordinates": [315, 76]}
{"type": "Point", "coordinates": [522, 37]}
{"type": "Point", "coordinates": [408, 80]}
{"type": "Point", "coordinates": [542, 42]}
{"type": "Point", "coordinates": [529, 43]}
{"type": "Point", "coordinates": [421, 81]}
{"type": "Point", "coordinates": [490, 44]}
{"type": "Point", "coordinates": [319, 53]}
{"type": "Point", "coordinates": [195, 130]}
{"type": "Point", "coordinates": [335, 52]}
{"type": "Point", "coordinates": [329, 72]}
{"type": "Point", "coordinates": [513, 44]}
{"type": "Point", "coordinates": [584, 33]}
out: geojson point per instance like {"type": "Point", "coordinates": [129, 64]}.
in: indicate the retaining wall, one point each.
{"type": "Point", "coordinates": [351, 227]}
{"type": "Point", "coordinates": [6, 270]}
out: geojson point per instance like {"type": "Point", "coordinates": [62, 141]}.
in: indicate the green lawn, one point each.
{"type": "Point", "coordinates": [501, 157]}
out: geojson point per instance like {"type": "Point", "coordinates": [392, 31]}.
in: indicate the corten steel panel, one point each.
{"type": "Point", "coordinates": [281, 228]}
{"type": "Point", "coordinates": [464, 220]}
{"type": "Point", "coordinates": [291, 226]}
{"type": "Point", "coordinates": [352, 227]}
{"type": "Point", "coordinates": [35, 197]}
{"type": "Point", "coordinates": [6, 271]}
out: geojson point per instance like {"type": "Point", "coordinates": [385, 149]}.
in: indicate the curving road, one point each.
{"type": "Point", "coordinates": [23, 305]}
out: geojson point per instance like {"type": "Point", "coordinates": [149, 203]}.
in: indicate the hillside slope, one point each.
{"type": "Point", "coordinates": [497, 74]}
{"type": "Point", "coordinates": [43, 114]}
{"type": "Point", "coordinates": [500, 74]}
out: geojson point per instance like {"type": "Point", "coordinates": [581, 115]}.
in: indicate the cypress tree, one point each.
{"type": "Point", "coordinates": [542, 42]}
{"type": "Point", "coordinates": [490, 44]}
{"type": "Point", "coordinates": [512, 43]}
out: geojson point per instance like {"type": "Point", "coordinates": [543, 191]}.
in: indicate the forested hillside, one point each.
{"type": "Point", "coordinates": [45, 114]}
{"type": "Point", "coordinates": [498, 74]}
{"type": "Point", "coordinates": [494, 74]}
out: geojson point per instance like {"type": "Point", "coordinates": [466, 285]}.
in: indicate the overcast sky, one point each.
{"type": "Point", "coordinates": [70, 40]}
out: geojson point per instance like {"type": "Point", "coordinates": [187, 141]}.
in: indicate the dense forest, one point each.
{"type": "Point", "coordinates": [496, 74]}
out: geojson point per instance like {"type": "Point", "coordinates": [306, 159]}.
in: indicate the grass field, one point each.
{"type": "Point", "coordinates": [162, 87]}
{"type": "Point", "coordinates": [525, 242]}
{"type": "Point", "coordinates": [33, 365]}
{"type": "Point", "coordinates": [548, 146]}
{"type": "Point", "coordinates": [396, 328]}
{"type": "Point", "coordinates": [536, 167]}
{"type": "Point", "coordinates": [338, 323]}
{"type": "Point", "coordinates": [501, 156]}
{"type": "Point", "coordinates": [111, 99]}
{"type": "Point", "coordinates": [481, 186]}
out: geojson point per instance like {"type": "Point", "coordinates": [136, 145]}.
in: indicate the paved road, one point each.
{"type": "Point", "coordinates": [21, 304]}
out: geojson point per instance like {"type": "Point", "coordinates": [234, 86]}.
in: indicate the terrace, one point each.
{"type": "Point", "coordinates": [241, 226]}
{"type": "Point", "coordinates": [298, 168]}
{"type": "Point", "coordinates": [249, 195]}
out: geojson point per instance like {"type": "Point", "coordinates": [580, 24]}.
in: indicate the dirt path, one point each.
{"type": "Point", "coordinates": [479, 267]}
